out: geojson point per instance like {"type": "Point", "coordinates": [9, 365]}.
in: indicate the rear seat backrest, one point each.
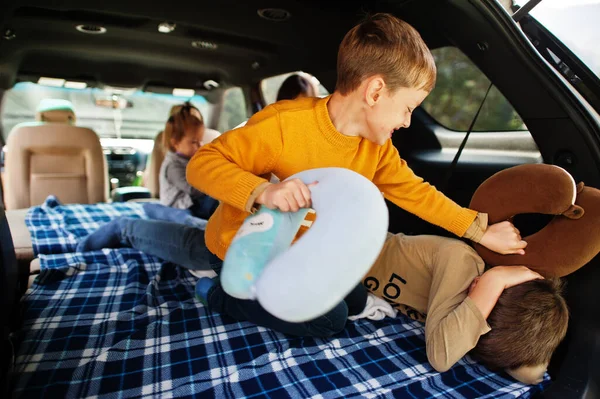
{"type": "Point", "coordinates": [210, 135]}
{"type": "Point", "coordinates": [53, 158]}
{"type": "Point", "coordinates": [153, 167]}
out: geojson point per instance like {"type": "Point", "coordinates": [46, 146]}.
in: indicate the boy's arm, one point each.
{"type": "Point", "coordinates": [456, 318]}
{"type": "Point", "coordinates": [490, 285]}
{"type": "Point", "coordinates": [401, 186]}
{"type": "Point", "coordinates": [454, 323]}
{"type": "Point", "coordinates": [477, 228]}
{"type": "Point", "coordinates": [229, 169]}
{"type": "Point", "coordinates": [485, 295]}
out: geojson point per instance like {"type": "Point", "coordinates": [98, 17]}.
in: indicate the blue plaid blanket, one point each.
{"type": "Point", "coordinates": [120, 323]}
{"type": "Point", "coordinates": [56, 228]}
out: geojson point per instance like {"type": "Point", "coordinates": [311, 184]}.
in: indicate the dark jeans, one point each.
{"type": "Point", "coordinates": [204, 207]}
{"type": "Point", "coordinates": [327, 325]}
{"type": "Point", "coordinates": [184, 245]}
{"type": "Point", "coordinates": [173, 242]}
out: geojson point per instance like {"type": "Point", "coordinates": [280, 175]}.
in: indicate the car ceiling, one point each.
{"type": "Point", "coordinates": [133, 53]}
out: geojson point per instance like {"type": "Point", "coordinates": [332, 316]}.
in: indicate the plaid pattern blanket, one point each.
{"type": "Point", "coordinates": [56, 228]}
{"type": "Point", "coordinates": [119, 323]}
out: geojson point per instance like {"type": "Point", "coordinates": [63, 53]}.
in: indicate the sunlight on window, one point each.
{"type": "Point", "coordinates": [575, 23]}
{"type": "Point", "coordinates": [142, 115]}
{"type": "Point", "coordinates": [459, 91]}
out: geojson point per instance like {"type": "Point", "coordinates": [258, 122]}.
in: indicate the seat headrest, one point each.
{"type": "Point", "coordinates": [56, 111]}
{"type": "Point", "coordinates": [210, 135]}
{"type": "Point", "coordinates": [53, 158]}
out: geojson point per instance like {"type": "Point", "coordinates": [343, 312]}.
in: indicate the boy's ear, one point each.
{"type": "Point", "coordinates": [374, 89]}
{"type": "Point", "coordinates": [172, 141]}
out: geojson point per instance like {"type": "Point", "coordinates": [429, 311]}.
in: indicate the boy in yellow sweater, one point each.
{"type": "Point", "coordinates": [385, 70]}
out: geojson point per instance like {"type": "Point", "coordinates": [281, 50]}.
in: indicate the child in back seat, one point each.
{"type": "Point", "coordinates": [385, 71]}
{"type": "Point", "coordinates": [182, 137]}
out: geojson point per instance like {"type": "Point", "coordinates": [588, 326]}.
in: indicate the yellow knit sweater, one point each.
{"type": "Point", "coordinates": [292, 136]}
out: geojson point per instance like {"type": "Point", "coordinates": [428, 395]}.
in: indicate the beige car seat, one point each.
{"type": "Point", "coordinates": [53, 156]}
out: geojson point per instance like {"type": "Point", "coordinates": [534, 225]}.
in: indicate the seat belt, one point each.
{"type": "Point", "coordinates": [452, 167]}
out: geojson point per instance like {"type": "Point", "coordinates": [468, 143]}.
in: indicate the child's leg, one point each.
{"type": "Point", "coordinates": [356, 300]}
{"type": "Point", "coordinates": [327, 325]}
{"type": "Point", "coordinates": [184, 216]}
{"type": "Point", "coordinates": [107, 236]}
{"type": "Point", "coordinates": [173, 242]}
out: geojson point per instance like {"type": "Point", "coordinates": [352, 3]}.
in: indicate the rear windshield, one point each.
{"type": "Point", "coordinates": [575, 24]}
{"type": "Point", "coordinates": [145, 115]}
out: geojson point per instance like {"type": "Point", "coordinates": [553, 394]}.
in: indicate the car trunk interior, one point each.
{"type": "Point", "coordinates": [231, 43]}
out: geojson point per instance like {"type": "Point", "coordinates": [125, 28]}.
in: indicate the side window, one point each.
{"type": "Point", "coordinates": [458, 93]}
{"type": "Point", "coordinates": [234, 109]}
{"type": "Point", "coordinates": [270, 86]}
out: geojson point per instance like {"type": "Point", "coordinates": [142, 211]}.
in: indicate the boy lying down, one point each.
{"type": "Point", "coordinates": [508, 317]}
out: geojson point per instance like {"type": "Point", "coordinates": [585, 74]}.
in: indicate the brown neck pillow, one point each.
{"type": "Point", "coordinates": [569, 241]}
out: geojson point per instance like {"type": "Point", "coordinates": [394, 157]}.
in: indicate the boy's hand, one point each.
{"type": "Point", "coordinates": [485, 290]}
{"type": "Point", "coordinates": [503, 238]}
{"type": "Point", "coordinates": [514, 275]}
{"type": "Point", "coordinates": [287, 196]}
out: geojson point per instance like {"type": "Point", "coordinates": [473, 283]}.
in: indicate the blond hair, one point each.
{"type": "Point", "coordinates": [384, 45]}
